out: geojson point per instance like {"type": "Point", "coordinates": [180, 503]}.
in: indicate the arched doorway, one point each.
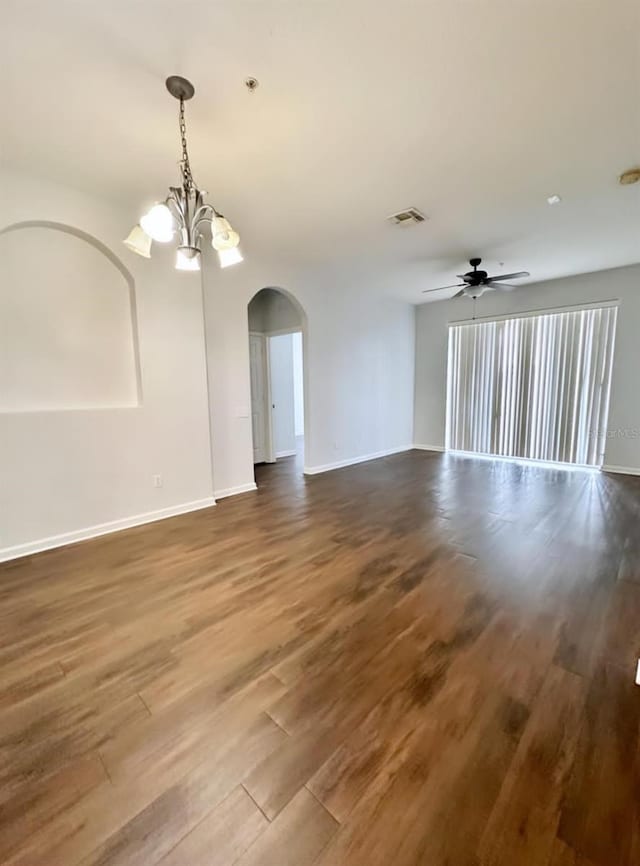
{"type": "Point", "coordinates": [277, 346]}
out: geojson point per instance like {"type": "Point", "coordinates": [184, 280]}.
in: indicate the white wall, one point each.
{"type": "Point", "coordinates": [358, 367]}
{"type": "Point", "coordinates": [298, 384]}
{"type": "Point", "coordinates": [65, 471]}
{"type": "Point", "coordinates": [623, 446]}
{"type": "Point", "coordinates": [283, 414]}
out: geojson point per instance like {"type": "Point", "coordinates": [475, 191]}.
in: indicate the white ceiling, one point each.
{"type": "Point", "coordinates": [474, 111]}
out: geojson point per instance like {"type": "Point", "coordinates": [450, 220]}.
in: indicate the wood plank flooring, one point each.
{"type": "Point", "coordinates": [424, 659]}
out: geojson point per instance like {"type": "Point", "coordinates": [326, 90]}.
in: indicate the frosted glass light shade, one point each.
{"type": "Point", "coordinates": [223, 237]}
{"type": "Point", "coordinates": [474, 291]}
{"type": "Point", "coordinates": [187, 259]}
{"type": "Point", "coordinates": [229, 257]}
{"type": "Point", "coordinates": [138, 241]}
{"type": "Point", "coordinates": [158, 223]}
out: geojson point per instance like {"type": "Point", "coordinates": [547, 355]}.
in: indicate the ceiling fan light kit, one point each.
{"type": "Point", "coordinates": [184, 212]}
{"type": "Point", "coordinates": [475, 282]}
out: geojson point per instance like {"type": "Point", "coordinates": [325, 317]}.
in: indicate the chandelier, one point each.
{"type": "Point", "coordinates": [184, 213]}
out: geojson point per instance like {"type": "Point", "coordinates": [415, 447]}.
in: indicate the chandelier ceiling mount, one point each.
{"type": "Point", "coordinates": [179, 87]}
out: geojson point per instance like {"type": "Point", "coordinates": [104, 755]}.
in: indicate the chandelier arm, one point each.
{"type": "Point", "coordinates": [179, 200]}
{"type": "Point", "coordinates": [196, 223]}
{"type": "Point", "coordinates": [201, 214]}
{"type": "Point", "coordinates": [176, 198]}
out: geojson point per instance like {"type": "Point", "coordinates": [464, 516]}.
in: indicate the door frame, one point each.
{"type": "Point", "coordinates": [267, 414]}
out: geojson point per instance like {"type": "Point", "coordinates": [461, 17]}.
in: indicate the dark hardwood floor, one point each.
{"type": "Point", "coordinates": [419, 660]}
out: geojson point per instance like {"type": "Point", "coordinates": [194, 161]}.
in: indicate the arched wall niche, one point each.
{"type": "Point", "coordinates": [68, 313]}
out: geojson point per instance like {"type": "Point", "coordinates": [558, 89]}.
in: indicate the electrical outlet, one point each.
{"type": "Point", "coordinates": [157, 480]}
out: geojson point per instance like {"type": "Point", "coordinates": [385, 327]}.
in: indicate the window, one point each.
{"type": "Point", "coordinates": [535, 387]}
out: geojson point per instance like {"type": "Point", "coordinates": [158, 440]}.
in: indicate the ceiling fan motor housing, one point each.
{"type": "Point", "coordinates": [475, 277]}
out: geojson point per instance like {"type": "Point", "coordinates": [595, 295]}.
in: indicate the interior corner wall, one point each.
{"type": "Point", "coordinates": [358, 367]}
{"type": "Point", "coordinates": [79, 471]}
{"type": "Point", "coordinates": [622, 448]}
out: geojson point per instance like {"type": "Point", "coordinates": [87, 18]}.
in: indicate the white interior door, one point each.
{"type": "Point", "coordinates": [259, 397]}
{"type": "Point", "coordinates": [282, 394]}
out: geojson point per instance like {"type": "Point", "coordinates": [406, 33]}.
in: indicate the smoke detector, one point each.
{"type": "Point", "coordinates": [407, 217]}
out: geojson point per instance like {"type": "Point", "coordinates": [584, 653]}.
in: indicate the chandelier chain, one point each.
{"type": "Point", "coordinates": [186, 167]}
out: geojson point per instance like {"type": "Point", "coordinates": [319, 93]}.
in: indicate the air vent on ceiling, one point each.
{"type": "Point", "coordinates": [407, 217]}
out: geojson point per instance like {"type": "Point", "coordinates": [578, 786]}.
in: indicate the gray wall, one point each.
{"type": "Point", "coordinates": [271, 311]}
{"type": "Point", "coordinates": [623, 446]}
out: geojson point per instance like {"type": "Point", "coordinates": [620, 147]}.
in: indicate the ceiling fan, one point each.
{"type": "Point", "coordinates": [476, 282]}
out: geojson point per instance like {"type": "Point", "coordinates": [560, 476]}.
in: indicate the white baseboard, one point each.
{"type": "Point", "coordinates": [621, 470]}
{"type": "Point", "coordinates": [340, 464]}
{"type": "Point", "coordinates": [30, 547]}
{"type": "Point", "coordinates": [233, 491]}
{"type": "Point", "coordinates": [428, 447]}
{"type": "Point", "coordinates": [285, 454]}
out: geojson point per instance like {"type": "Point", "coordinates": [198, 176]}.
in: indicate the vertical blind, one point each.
{"type": "Point", "coordinates": [535, 387]}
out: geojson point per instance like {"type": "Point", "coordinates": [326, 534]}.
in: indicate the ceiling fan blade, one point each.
{"type": "Point", "coordinates": [455, 286]}
{"type": "Point", "coordinates": [516, 276]}
{"type": "Point", "coordinates": [458, 294]}
{"type": "Point", "coordinates": [507, 286]}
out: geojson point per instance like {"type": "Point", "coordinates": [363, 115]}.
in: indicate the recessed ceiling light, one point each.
{"type": "Point", "coordinates": [629, 177]}
{"type": "Point", "coordinates": [554, 199]}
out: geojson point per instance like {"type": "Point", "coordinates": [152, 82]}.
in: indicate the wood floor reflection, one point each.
{"type": "Point", "coordinates": [423, 659]}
